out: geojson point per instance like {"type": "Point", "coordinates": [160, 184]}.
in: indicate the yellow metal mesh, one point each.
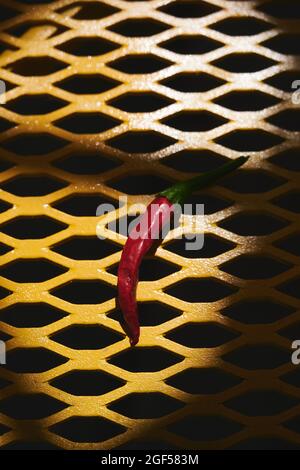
{"type": "Point", "coordinates": [41, 40]}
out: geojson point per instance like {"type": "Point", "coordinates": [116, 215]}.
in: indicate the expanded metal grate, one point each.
{"type": "Point", "coordinates": [123, 97]}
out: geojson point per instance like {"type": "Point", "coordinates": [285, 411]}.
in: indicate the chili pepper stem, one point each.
{"type": "Point", "coordinates": [180, 191]}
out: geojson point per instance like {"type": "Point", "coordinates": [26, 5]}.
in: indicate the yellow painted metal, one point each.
{"type": "Point", "coordinates": [41, 40]}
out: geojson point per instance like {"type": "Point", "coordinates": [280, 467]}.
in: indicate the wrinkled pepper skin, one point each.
{"type": "Point", "coordinates": [139, 242]}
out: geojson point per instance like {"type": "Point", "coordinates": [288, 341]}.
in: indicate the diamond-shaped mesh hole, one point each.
{"type": "Point", "coordinates": [93, 164]}
{"type": "Point", "coordinates": [87, 429]}
{"type": "Point", "coordinates": [139, 27]}
{"type": "Point", "coordinates": [194, 121]}
{"type": "Point", "coordinates": [87, 123]}
{"type": "Point", "coordinates": [198, 82]}
{"type": "Point", "coordinates": [145, 359]}
{"type": "Point", "coordinates": [191, 44]}
{"type": "Point", "coordinates": [139, 63]}
{"type": "Point", "coordinates": [291, 287]}
{"type": "Point", "coordinates": [287, 43]}
{"type": "Point", "coordinates": [254, 267]}
{"type": "Point", "coordinates": [85, 248]}
{"type": "Point", "coordinates": [5, 125]}
{"type": "Point", "coordinates": [194, 161]}
{"type": "Point", "coordinates": [289, 201]}
{"type": "Point", "coordinates": [5, 165]}
{"type": "Point", "coordinates": [261, 403]}
{"type": "Point", "coordinates": [203, 380]}
{"type": "Point", "coordinates": [259, 356]}
{"type": "Point", "coordinates": [205, 428]}
{"type": "Point", "coordinates": [87, 84]}
{"type": "Point", "coordinates": [141, 142]}
{"type": "Point", "coordinates": [82, 205]}
{"type": "Point", "coordinates": [145, 405]}
{"type": "Point", "coordinates": [253, 223]}
{"type": "Point", "coordinates": [35, 104]}
{"type": "Point", "coordinates": [150, 313]}
{"type": "Point", "coordinates": [33, 144]}
{"type": "Point", "coordinates": [259, 311]}
{"type": "Point", "coordinates": [31, 270]}
{"type": "Point", "coordinates": [88, 46]}
{"type": "Point", "coordinates": [241, 26]}
{"type": "Point", "coordinates": [4, 292]}
{"type": "Point", "coordinates": [201, 335]}
{"type": "Point", "coordinates": [281, 9]}
{"type": "Point", "coordinates": [292, 378]}
{"type": "Point", "coordinates": [289, 159]}
{"type": "Point", "coordinates": [33, 185]}
{"type": "Point", "coordinates": [291, 244]}
{"type": "Point", "coordinates": [36, 66]}
{"type": "Point", "coordinates": [201, 290]}
{"type": "Point", "coordinates": [33, 406]}
{"type": "Point", "coordinates": [4, 249]}
{"type": "Point", "coordinates": [33, 360]}
{"type": "Point", "coordinates": [86, 337]}
{"type": "Point", "coordinates": [90, 10]}
{"type": "Point", "coordinates": [249, 140]}
{"type": "Point", "coordinates": [31, 315]}
{"type": "Point", "coordinates": [140, 184]}
{"type": "Point", "coordinates": [189, 8]}
{"type": "Point", "coordinates": [140, 102]}
{"type": "Point", "coordinates": [87, 382]}
{"type": "Point", "coordinates": [247, 62]}
{"type": "Point", "coordinates": [84, 292]}
{"type": "Point", "coordinates": [24, 228]}
{"type": "Point", "coordinates": [283, 80]}
{"type": "Point", "coordinates": [213, 246]}
{"type": "Point", "coordinates": [252, 181]}
{"type": "Point", "coordinates": [288, 119]}
{"type": "Point", "coordinates": [291, 332]}
{"type": "Point", "coordinates": [247, 100]}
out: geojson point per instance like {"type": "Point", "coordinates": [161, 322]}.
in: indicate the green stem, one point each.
{"type": "Point", "coordinates": [180, 191]}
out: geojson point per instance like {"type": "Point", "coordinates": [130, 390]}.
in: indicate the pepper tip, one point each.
{"type": "Point", "coordinates": [133, 340]}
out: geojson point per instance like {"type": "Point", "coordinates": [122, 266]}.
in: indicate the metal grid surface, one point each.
{"type": "Point", "coordinates": [253, 267]}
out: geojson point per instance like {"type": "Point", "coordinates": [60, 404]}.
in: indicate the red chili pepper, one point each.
{"type": "Point", "coordinates": [146, 232]}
